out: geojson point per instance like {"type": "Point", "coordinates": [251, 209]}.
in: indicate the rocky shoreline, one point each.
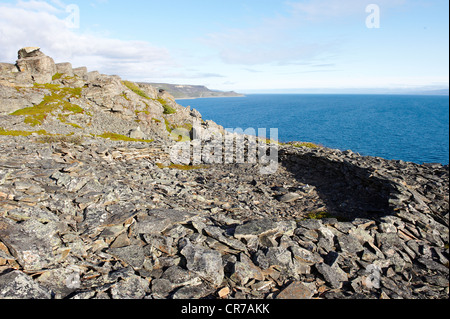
{"type": "Point", "coordinates": [92, 206]}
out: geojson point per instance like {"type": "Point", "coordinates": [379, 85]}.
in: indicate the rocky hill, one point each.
{"type": "Point", "coordinates": [92, 207]}
{"type": "Point", "coordinates": [180, 91]}
{"type": "Point", "coordinates": [58, 99]}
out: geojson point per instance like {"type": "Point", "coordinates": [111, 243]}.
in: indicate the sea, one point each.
{"type": "Point", "coordinates": [413, 128]}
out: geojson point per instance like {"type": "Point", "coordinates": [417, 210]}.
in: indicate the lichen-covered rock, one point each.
{"type": "Point", "coordinates": [41, 67]}
{"type": "Point", "coordinates": [206, 263]}
{"type": "Point", "coordinates": [17, 285]}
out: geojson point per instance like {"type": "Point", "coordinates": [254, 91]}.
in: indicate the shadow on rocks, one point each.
{"type": "Point", "coordinates": [348, 191]}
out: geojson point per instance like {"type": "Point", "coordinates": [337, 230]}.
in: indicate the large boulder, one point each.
{"type": "Point", "coordinates": [40, 66]}
{"type": "Point", "coordinates": [65, 68]}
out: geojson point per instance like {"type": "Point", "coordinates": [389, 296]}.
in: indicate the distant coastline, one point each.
{"type": "Point", "coordinates": [208, 97]}
{"type": "Point", "coordinates": [185, 91]}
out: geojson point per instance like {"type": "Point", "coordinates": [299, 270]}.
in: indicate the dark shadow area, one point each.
{"type": "Point", "coordinates": [348, 191]}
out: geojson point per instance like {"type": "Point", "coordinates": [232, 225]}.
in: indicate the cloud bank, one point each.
{"type": "Point", "coordinates": [39, 23]}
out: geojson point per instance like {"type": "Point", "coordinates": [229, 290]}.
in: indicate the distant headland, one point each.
{"type": "Point", "coordinates": [181, 91]}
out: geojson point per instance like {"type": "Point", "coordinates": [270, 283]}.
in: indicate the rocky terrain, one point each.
{"type": "Point", "coordinates": [180, 91]}
{"type": "Point", "coordinates": [92, 207]}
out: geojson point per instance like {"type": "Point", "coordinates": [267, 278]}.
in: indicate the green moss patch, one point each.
{"type": "Point", "coordinates": [182, 167]}
{"type": "Point", "coordinates": [119, 137]}
{"type": "Point", "coordinates": [21, 133]}
{"type": "Point", "coordinates": [50, 139]}
{"type": "Point", "coordinates": [167, 108]}
{"type": "Point", "coordinates": [57, 76]}
{"type": "Point", "coordinates": [133, 87]}
{"type": "Point", "coordinates": [58, 100]}
{"type": "Point", "coordinates": [319, 215]}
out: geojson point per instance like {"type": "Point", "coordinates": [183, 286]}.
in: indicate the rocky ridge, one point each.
{"type": "Point", "coordinates": [83, 216]}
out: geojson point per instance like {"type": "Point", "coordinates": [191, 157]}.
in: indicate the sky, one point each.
{"type": "Point", "coordinates": [244, 45]}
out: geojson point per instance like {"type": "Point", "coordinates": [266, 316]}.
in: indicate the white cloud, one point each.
{"type": "Point", "coordinates": [38, 23]}
{"type": "Point", "coordinates": [286, 38]}
{"type": "Point", "coordinates": [36, 5]}
{"type": "Point", "coordinates": [279, 40]}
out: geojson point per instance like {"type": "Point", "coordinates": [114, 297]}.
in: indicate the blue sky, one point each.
{"type": "Point", "coordinates": [242, 45]}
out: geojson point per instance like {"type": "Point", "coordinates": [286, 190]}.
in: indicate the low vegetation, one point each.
{"type": "Point", "coordinates": [133, 87]}
{"type": "Point", "coordinates": [21, 133]}
{"type": "Point", "coordinates": [318, 215]}
{"type": "Point", "coordinates": [182, 167]}
{"type": "Point", "coordinates": [70, 139]}
{"type": "Point", "coordinates": [58, 100]}
{"type": "Point", "coordinates": [167, 108]}
{"type": "Point", "coordinates": [119, 137]}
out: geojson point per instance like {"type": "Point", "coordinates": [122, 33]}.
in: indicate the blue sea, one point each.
{"type": "Point", "coordinates": [411, 128]}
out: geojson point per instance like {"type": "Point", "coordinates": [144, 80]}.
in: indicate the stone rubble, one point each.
{"type": "Point", "coordinates": [103, 219]}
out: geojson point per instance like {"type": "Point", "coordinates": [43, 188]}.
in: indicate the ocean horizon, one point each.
{"type": "Point", "coordinates": [413, 128]}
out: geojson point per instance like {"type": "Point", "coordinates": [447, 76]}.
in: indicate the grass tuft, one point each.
{"type": "Point", "coordinates": [57, 101]}
{"type": "Point", "coordinates": [182, 167]}
{"type": "Point", "coordinates": [133, 87]}
{"type": "Point", "coordinates": [119, 137]}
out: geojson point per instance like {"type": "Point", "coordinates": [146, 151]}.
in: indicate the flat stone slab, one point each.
{"type": "Point", "coordinates": [296, 290]}
{"type": "Point", "coordinates": [290, 198]}
{"type": "Point", "coordinates": [256, 228]}
{"type": "Point", "coordinates": [17, 285]}
{"type": "Point", "coordinates": [158, 220]}
{"type": "Point", "coordinates": [132, 255]}
{"type": "Point", "coordinates": [207, 263]}
{"type": "Point", "coordinates": [30, 242]}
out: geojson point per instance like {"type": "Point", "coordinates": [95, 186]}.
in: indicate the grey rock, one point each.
{"type": "Point", "coordinates": [296, 290]}
{"type": "Point", "coordinates": [161, 287]}
{"type": "Point", "coordinates": [31, 243]}
{"type": "Point", "coordinates": [81, 72]}
{"type": "Point", "coordinates": [64, 68]}
{"type": "Point", "coordinates": [31, 60]}
{"type": "Point", "coordinates": [312, 224]}
{"type": "Point", "coordinates": [256, 228]}
{"type": "Point", "coordinates": [133, 287]}
{"type": "Point", "coordinates": [305, 256]}
{"type": "Point", "coordinates": [206, 263]}
{"type": "Point", "coordinates": [349, 244]}
{"type": "Point", "coordinates": [132, 255]}
{"type": "Point", "coordinates": [192, 292]}
{"type": "Point", "coordinates": [433, 265]}
{"type": "Point", "coordinates": [61, 281]}
{"type": "Point", "coordinates": [17, 285]}
{"type": "Point", "coordinates": [157, 221]}
{"type": "Point", "coordinates": [245, 270]}
{"type": "Point", "coordinates": [137, 134]}
{"type": "Point", "coordinates": [290, 197]}
{"type": "Point", "coordinates": [333, 275]}
{"type": "Point", "coordinates": [217, 234]}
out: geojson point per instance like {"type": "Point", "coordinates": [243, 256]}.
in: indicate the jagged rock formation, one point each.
{"type": "Point", "coordinates": [61, 99]}
{"type": "Point", "coordinates": [87, 216]}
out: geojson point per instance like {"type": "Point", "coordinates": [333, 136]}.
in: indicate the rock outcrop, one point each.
{"type": "Point", "coordinates": [37, 64]}
{"type": "Point", "coordinates": [67, 100]}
